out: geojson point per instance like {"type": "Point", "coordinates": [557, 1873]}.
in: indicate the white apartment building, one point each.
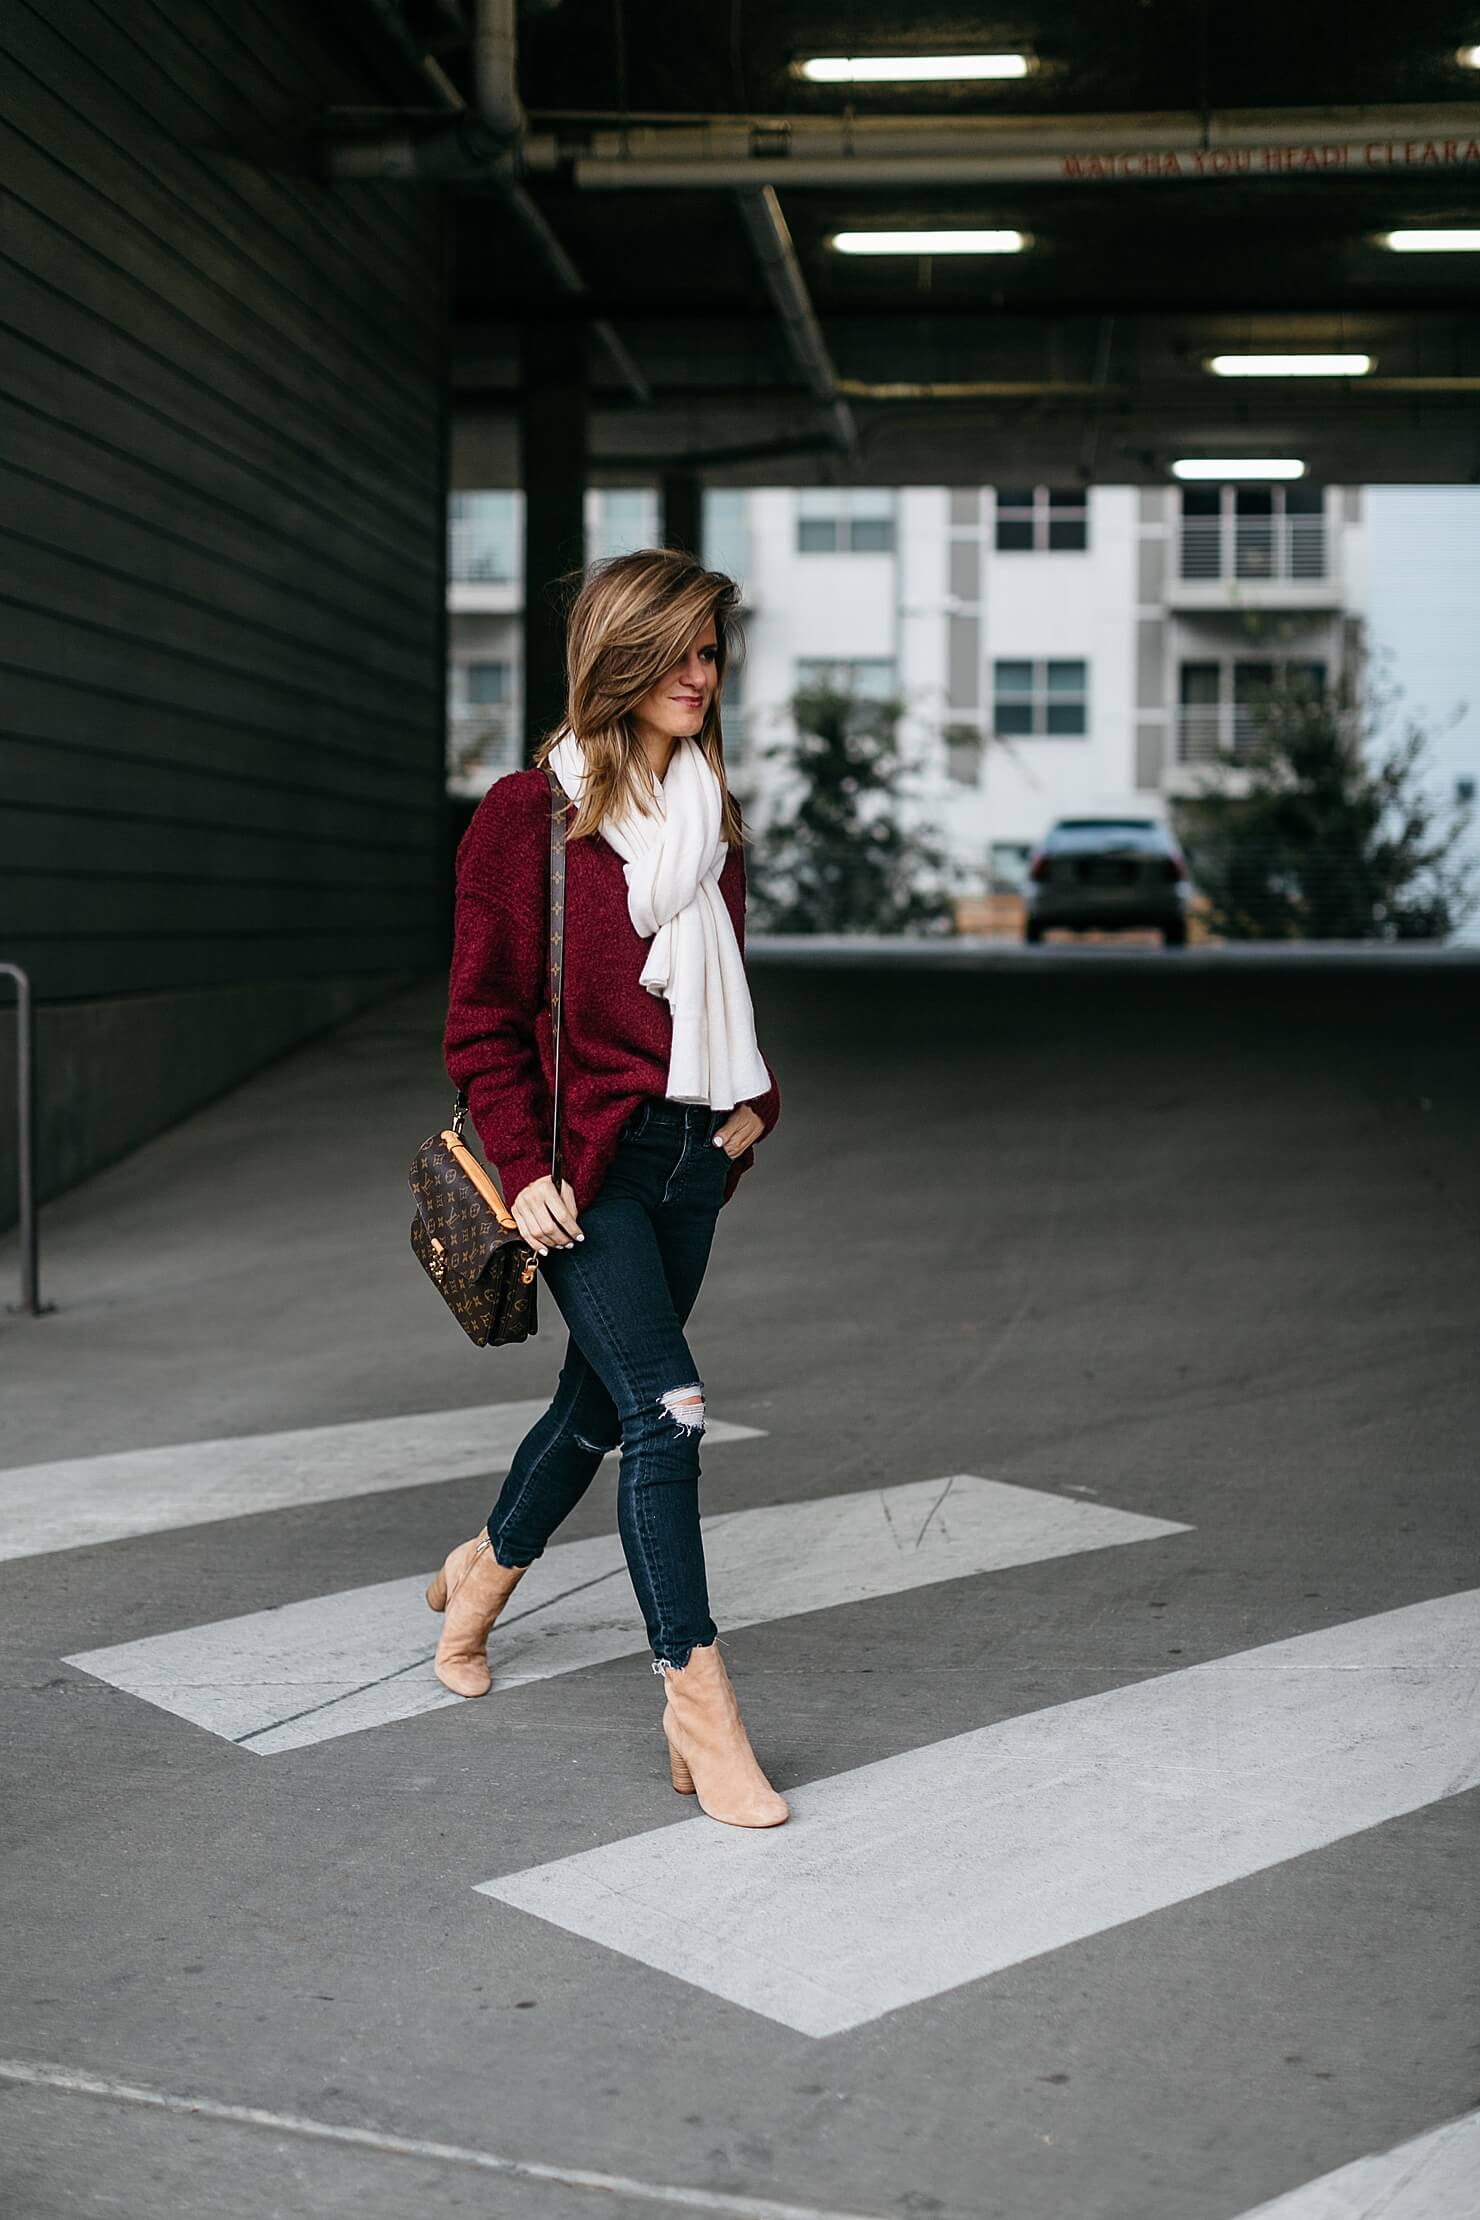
{"type": "Point", "coordinates": [1057, 650]}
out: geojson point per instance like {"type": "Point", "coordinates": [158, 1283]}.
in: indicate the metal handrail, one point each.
{"type": "Point", "coordinates": [25, 1151]}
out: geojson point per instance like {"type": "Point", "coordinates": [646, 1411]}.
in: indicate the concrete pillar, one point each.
{"type": "Point", "coordinates": [683, 511]}
{"type": "Point", "coordinates": [552, 448]}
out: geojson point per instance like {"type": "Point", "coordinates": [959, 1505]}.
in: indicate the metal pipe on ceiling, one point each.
{"type": "Point", "coordinates": [725, 151]}
{"type": "Point", "coordinates": [714, 458]}
{"type": "Point", "coordinates": [1182, 395]}
{"type": "Point", "coordinates": [527, 212]}
{"type": "Point", "coordinates": [766, 226]}
{"type": "Point", "coordinates": [496, 69]}
{"type": "Point", "coordinates": [869, 176]}
{"type": "Point", "coordinates": [496, 75]}
{"type": "Point", "coordinates": [864, 151]}
{"type": "Point", "coordinates": [980, 389]}
{"type": "Point", "coordinates": [801, 135]}
{"type": "Point", "coordinates": [487, 141]}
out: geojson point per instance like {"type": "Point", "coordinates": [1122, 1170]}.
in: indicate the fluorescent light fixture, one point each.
{"type": "Point", "coordinates": [929, 242]}
{"type": "Point", "coordinates": [1225, 467]}
{"type": "Point", "coordinates": [1290, 366]}
{"type": "Point", "coordinates": [1431, 242]}
{"type": "Point", "coordinates": [909, 69]}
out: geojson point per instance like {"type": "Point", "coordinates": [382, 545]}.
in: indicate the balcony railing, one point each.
{"type": "Point", "coordinates": [1208, 735]}
{"type": "Point", "coordinates": [1287, 548]}
{"type": "Point", "coordinates": [482, 744]}
{"type": "Point", "coordinates": [478, 556]}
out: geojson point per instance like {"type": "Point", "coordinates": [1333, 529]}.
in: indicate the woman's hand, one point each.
{"type": "Point", "coordinates": [740, 1128]}
{"type": "Point", "coordinates": [546, 1215]}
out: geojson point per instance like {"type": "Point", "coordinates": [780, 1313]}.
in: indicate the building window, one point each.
{"type": "Point", "coordinates": [726, 531]}
{"type": "Point", "coordinates": [732, 711]}
{"type": "Point", "coordinates": [1218, 703]}
{"type": "Point", "coordinates": [867, 677]}
{"type": "Point", "coordinates": [625, 519]}
{"type": "Point", "coordinates": [487, 685]}
{"type": "Point", "coordinates": [1042, 520]}
{"type": "Point", "coordinates": [484, 538]}
{"type": "Point", "coordinates": [845, 520]}
{"type": "Point", "coordinates": [1047, 700]}
{"type": "Point", "coordinates": [1253, 532]}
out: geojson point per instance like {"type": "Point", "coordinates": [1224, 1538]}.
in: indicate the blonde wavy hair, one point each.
{"type": "Point", "coordinates": [631, 622]}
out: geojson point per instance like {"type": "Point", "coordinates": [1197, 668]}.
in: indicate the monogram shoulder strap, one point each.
{"type": "Point", "coordinates": [559, 805]}
{"type": "Point", "coordinates": [554, 969]}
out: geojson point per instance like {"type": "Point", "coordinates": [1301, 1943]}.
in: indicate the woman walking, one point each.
{"type": "Point", "coordinates": [663, 1094]}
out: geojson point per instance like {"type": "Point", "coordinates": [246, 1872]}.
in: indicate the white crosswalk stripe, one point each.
{"type": "Point", "coordinates": [77, 1501]}
{"type": "Point", "coordinates": [1435, 2176]}
{"type": "Point", "coordinates": [908, 1877]}
{"type": "Point", "coordinates": [278, 1680]}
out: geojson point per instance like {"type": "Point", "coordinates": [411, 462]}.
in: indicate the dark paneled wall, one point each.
{"type": "Point", "coordinates": [221, 529]}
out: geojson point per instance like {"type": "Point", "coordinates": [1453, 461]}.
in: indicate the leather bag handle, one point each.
{"type": "Point", "coordinates": [473, 1171]}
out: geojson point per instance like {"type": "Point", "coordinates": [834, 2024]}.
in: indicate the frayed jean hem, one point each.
{"type": "Point", "coordinates": [676, 1658]}
{"type": "Point", "coordinates": [511, 1563]}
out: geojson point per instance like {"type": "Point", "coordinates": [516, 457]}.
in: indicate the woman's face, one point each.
{"type": "Point", "coordinates": [677, 706]}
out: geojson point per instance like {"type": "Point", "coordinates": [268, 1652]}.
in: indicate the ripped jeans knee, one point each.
{"type": "Point", "coordinates": [685, 1406]}
{"type": "Point", "coordinates": [658, 1516]}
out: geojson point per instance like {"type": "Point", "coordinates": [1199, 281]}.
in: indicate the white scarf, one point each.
{"type": "Point", "coordinates": [672, 862]}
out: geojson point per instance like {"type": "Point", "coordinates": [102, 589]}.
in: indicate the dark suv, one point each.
{"type": "Point", "coordinates": [1106, 873]}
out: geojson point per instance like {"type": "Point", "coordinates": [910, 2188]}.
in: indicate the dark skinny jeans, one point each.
{"type": "Point", "coordinates": [625, 1293]}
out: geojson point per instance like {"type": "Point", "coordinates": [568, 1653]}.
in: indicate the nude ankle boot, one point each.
{"type": "Point", "coordinates": [472, 1588]}
{"type": "Point", "coordinates": [709, 1751]}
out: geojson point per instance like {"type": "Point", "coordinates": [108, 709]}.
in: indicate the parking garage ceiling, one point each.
{"type": "Point", "coordinates": [1187, 179]}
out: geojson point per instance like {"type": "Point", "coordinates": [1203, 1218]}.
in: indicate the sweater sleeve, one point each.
{"type": "Point", "coordinates": [496, 988]}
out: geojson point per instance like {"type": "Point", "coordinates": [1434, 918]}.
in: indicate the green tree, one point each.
{"type": "Point", "coordinates": [833, 857]}
{"type": "Point", "coordinates": [1328, 831]}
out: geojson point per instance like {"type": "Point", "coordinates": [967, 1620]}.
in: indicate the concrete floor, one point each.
{"type": "Point", "coordinates": [1193, 1239]}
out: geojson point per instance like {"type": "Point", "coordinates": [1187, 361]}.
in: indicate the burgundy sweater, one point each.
{"type": "Point", "coordinates": [615, 1036]}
